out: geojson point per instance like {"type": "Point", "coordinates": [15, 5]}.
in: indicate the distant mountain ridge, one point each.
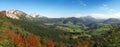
{"type": "Point", "coordinates": [17, 14]}
{"type": "Point", "coordinates": [112, 20]}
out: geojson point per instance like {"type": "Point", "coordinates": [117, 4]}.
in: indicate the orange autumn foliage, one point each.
{"type": "Point", "coordinates": [49, 43]}
{"type": "Point", "coordinates": [14, 37]}
{"type": "Point", "coordinates": [18, 40]}
{"type": "Point", "coordinates": [32, 41]}
{"type": "Point", "coordinates": [85, 43]}
{"type": "Point", "coordinates": [1, 39]}
{"type": "Point", "coordinates": [61, 45]}
{"type": "Point", "coordinates": [77, 46]}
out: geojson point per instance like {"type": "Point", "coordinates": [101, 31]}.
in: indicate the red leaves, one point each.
{"type": "Point", "coordinates": [77, 46]}
{"type": "Point", "coordinates": [49, 43]}
{"type": "Point", "coordinates": [29, 41]}
{"type": "Point", "coordinates": [15, 38]}
{"type": "Point", "coordinates": [85, 43]}
{"type": "Point", "coordinates": [61, 45]}
{"type": "Point", "coordinates": [32, 41]}
{"type": "Point", "coordinates": [1, 39]}
{"type": "Point", "coordinates": [18, 39]}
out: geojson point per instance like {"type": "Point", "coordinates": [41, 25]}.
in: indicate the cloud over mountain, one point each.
{"type": "Point", "coordinates": [98, 16]}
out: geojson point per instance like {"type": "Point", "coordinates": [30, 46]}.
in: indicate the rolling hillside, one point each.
{"type": "Point", "coordinates": [57, 32]}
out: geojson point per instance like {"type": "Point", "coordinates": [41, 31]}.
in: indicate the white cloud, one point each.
{"type": "Point", "coordinates": [106, 8]}
{"type": "Point", "coordinates": [116, 15]}
{"type": "Point", "coordinates": [77, 15]}
{"type": "Point", "coordinates": [82, 3]}
{"type": "Point", "coordinates": [112, 10]}
{"type": "Point", "coordinates": [99, 16]}
{"type": "Point", "coordinates": [104, 5]}
{"type": "Point", "coordinates": [103, 16]}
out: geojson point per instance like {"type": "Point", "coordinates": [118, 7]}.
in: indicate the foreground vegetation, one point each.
{"type": "Point", "coordinates": [26, 33]}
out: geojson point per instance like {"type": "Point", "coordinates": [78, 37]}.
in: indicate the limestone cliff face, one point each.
{"type": "Point", "coordinates": [15, 14]}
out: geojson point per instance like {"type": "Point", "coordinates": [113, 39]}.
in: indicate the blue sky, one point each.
{"type": "Point", "coordinates": [65, 8]}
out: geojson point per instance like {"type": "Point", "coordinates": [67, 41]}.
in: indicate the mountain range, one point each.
{"type": "Point", "coordinates": [19, 29]}
{"type": "Point", "coordinates": [17, 14]}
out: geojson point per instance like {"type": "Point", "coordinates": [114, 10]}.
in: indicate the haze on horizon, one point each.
{"type": "Point", "coordinates": [66, 8]}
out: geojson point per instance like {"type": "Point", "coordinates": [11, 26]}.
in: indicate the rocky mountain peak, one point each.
{"type": "Point", "coordinates": [15, 14]}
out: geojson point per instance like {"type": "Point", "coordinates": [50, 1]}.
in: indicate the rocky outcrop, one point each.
{"type": "Point", "coordinates": [15, 14]}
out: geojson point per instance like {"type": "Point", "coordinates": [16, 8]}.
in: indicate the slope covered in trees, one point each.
{"type": "Point", "coordinates": [27, 33]}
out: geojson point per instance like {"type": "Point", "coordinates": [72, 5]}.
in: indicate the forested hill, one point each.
{"type": "Point", "coordinates": [24, 31]}
{"type": "Point", "coordinates": [19, 33]}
